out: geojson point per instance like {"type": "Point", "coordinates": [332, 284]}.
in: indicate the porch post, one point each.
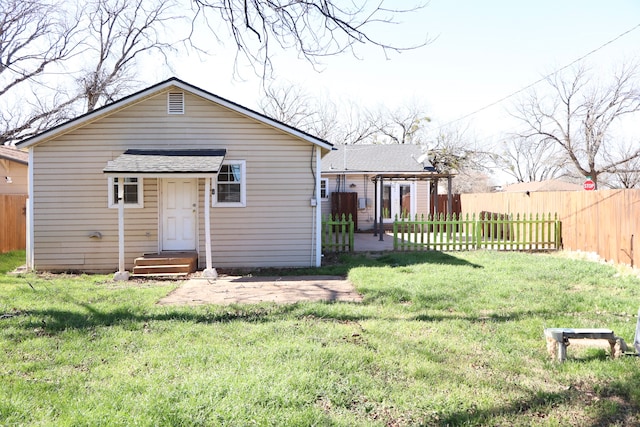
{"type": "Point", "coordinates": [435, 199]}
{"type": "Point", "coordinates": [209, 271]}
{"type": "Point", "coordinates": [449, 196]}
{"type": "Point", "coordinates": [381, 222]}
{"type": "Point", "coordinates": [121, 274]}
{"type": "Point", "coordinates": [375, 206]}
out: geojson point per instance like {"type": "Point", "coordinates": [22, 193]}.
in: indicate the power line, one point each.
{"type": "Point", "coordinates": [541, 79]}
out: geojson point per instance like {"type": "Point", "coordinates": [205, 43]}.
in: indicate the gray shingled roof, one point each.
{"type": "Point", "coordinates": [14, 154]}
{"type": "Point", "coordinates": [374, 158]}
{"type": "Point", "coordinates": [167, 161]}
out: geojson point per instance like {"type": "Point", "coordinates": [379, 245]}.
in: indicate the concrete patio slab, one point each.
{"type": "Point", "coordinates": [254, 290]}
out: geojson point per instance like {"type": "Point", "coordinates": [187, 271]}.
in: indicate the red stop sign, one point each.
{"type": "Point", "coordinates": [589, 185]}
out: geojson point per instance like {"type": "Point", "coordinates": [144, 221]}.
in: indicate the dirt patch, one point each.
{"type": "Point", "coordinates": [254, 290]}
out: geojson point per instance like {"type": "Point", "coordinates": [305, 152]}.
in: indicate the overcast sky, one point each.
{"type": "Point", "coordinates": [482, 51]}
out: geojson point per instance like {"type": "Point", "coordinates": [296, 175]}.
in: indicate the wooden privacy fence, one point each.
{"type": "Point", "coordinates": [486, 231]}
{"type": "Point", "coordinates": [13, 222]}
{"type": "Point", "coordinates": [606, 222]}
{"type": "Point", "coordinates": [337, 233]}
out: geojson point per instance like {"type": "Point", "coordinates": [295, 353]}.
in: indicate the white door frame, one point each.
{"type": "Point", "coordinates": [162, 211]}
{"type": "Point", "coordinates": [395, 198]}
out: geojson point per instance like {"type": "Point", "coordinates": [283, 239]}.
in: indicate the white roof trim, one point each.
{"type": "Point", "coordinates": [160, 87]}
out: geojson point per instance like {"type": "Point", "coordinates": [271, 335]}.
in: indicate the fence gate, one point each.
{"type": "Point", "coordinates": [13, 223]}
{"type": "Point", "coordinates": [345, 204]}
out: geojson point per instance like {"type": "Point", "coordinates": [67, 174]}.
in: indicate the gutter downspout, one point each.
{"type": "Point", "coordinates": [317, 235]}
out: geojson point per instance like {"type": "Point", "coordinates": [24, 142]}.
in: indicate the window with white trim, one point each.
{"type": "Point", "coordinates": [133, 197]}
{"type": "Point", "coordinates": [229, 189]}
{"type": "Point", "coordinates": [324, 188]}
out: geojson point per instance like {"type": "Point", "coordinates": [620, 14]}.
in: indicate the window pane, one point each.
{"type": "Point", "coordinates": [323, 189]}
{"type": "Point", "coordinates": [130, 187]}
{"type": "Point", "coordinates": [229, 192]}
{"type": "Point", "coordinates": [131, 193]}
{"type": "Point", "coordinates": [229, 183]}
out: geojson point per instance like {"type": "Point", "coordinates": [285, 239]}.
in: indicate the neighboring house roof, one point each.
{"type": "Point", "coordinates": [376, 158]}
{"type": "Point", "coordinates": [167, 161]}
{"type": "Point", "coordinates": [159, 87]}
{"type": "Point", "coordinates": [548, 185]}
{"type": "Point", "coordinates": [10, 153]}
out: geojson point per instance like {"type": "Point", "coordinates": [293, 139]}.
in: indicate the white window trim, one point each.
{"type": "Point", "coordinates": [326, 188]}
{"type": "Point", "coordinates": [243, 187]}
{"type": "Point", "coordinates": [140, 203]}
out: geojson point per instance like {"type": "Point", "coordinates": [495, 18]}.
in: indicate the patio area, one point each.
{"type": "Point", "coordinates": [367, 242]}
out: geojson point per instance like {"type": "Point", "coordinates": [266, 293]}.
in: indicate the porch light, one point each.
{"type": "Point", "coordinates": [8, 179]}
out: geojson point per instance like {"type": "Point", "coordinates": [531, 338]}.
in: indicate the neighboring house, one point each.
{"type": "Point", "coordinates": [14, 171]}
{"type": "Point", "coordinates": [195, 172]}
{"type": "Point", "coordinates": [407, 179]}
{"type": "Point", "coordinates": [536, 186]}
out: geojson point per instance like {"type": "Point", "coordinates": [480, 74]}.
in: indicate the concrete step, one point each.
{"type": "Point", "coordinates": [155, 270]}
{"type": "Point", "coordinates": [164, 260]}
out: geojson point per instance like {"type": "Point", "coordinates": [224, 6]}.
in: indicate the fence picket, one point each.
{"type": "Point", "coordinates": [337, 233]}
{"type": "Point", "coordinates": [488, 231]}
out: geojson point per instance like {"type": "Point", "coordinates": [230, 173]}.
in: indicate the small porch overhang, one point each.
{"type": "Point", "coordinates": [159, 163]}
{"type": "Point", "coordinates": [165, 164]}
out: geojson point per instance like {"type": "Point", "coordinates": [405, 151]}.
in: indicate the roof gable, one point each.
{"type": "Point", "coordinates": [156, 89]}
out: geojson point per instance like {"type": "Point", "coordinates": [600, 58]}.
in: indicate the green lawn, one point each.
{"type": "Point", "coordinates": [440, 339]}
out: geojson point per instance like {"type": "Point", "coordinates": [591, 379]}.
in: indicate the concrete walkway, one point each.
{"type": "Point", "coordinates": [367, 242]}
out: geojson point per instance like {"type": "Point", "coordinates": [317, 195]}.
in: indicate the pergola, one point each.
{"type": "Point", "coordinates": [428, 175]}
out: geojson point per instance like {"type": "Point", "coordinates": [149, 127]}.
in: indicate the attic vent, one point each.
{"type": "Point", "coordinates": [175, 103]}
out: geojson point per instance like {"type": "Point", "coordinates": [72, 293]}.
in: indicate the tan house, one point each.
{"type": "Point", "coordinates": [174, 168]}
{"type": "Point", "coordinates": [14, 171]}
{"type": "Point", "coordinates": [382, 180]}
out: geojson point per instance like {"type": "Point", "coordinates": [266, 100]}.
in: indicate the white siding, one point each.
{"type": "Point", "coordinates": [70, 190]}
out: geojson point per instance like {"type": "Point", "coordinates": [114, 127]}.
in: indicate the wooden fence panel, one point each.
{"type": "Point", "coordinates": [606, 222]}
{"type": "Point", "coordinates": [13, 222]}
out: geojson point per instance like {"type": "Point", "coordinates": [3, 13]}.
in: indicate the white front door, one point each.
{"type": "Point", "coordinates": [398, 198]}
{"type": "Point", "coordinates": [179, 207]}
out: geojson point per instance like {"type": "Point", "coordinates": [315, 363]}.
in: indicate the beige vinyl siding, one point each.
{"type": "Point", "coordinates": [19, 174]}
{"type": "Point", "coordinates": [275, 229]}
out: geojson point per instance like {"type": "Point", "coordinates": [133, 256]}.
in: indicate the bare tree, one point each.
{"type": "Point", "coordinates": [472, 181]}
{"type": "Point", "coordinates": [580, 117]}
{"type": "Point", "coordinates": [54, 57]}
{"type": "Point", "coordinates": [118, 32]}
{"type": "Point", "coordinates": [404, 125]}
{"type": "Point", "coordinates": [314, 29]}
{"type": "Point", "coordinates": [34, 37]}
{"type": "Point", "coordinates": [625, 175]}
{"type": "Point", "coordinates": [528, 159]}
{"type": "Point", "coordinates": [289, 104]}
{"type": "Point", "coordinates": [453, 150]}
{"type": "Point", "coordinates": [321, 117]}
